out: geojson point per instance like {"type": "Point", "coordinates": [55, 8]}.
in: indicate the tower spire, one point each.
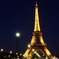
{"type": "Point", "coordinates": [37, 25]}
{"type": "Point", "coordinates": [37, 43]}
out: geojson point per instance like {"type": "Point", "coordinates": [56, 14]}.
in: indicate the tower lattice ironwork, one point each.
{"type": "Point", "coordinates": [37, 43]}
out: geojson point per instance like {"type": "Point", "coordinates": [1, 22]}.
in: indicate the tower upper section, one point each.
{"type": "Point", "coordinates": [37, 25]}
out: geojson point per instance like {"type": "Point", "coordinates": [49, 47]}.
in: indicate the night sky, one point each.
{"type": "Point", "coordinates": [18, 16]}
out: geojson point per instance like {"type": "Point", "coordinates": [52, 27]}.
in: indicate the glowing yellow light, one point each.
{"type": "Point", "coordinates": [47, 52]}
{"type": "Point", "coordinates": [8, 55]}
{"type": "Point", "coordinates": [17, 56]}
{"type": "Point", "coordinates": [28, 45]}
{"type": "Point", "coordinates": [17, 34]}
{"type": "Point", "coordinates": [10, 52]}
{"type": "Point", "coordinates": [33, 40]}
{"type": "Point", "coordinates": [41, 40]}
{"type": "Point", "coordinates": [33, 50]}
{"type": "Point", "coordinates": [37, 54]}
{"type": "Point", "coordinates": [20, 54]}
{"type": "Point", "coordinates": [1, 49]}
{"type": "Point", "coordinates": [26, 53]}
{"type": "Point", "coordinates": [37, 25]}
{"type": "Point", "coordinates": [36, 4]}
{"type": "Point", "coordinates": [16, 53]}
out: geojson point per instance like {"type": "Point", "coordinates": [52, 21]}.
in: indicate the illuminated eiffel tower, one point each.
{"type": "Point", "coordinates": [37, 44]}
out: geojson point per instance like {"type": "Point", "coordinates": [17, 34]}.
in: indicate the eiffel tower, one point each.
{"type": "Point", "coordinates": [37, 43]}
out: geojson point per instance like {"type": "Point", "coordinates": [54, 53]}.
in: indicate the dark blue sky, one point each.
{"type": "Point", "coordinates": [18, 16]}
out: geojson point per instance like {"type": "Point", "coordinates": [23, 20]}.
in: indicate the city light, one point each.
{"type": "Point", "coordinates": [17, 56]}
{"type": "Point", "coordinates": [33, 50]}
{"type": "Point", "coordinates": [8, 55]}
{"type": "Point", "coordinates": [16, 53]}
{"type": "Point", "coordinates": [1, 49]}
{"type": "Point", "coordinates": [17, 34]}
{"type": "Point", "coordinates": [20, 54]}
{"type": "Point", "coordinates": [37, 54]}
{"type": "Point", "coordinates": [28, 45]}
{"type": "Point", "coordinates": [10, 52]}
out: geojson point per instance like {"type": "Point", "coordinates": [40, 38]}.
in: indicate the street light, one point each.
{"type": "Point", "coordinates": [17, 36]}
{"type": "Point", "coordinates": [1, 50]}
